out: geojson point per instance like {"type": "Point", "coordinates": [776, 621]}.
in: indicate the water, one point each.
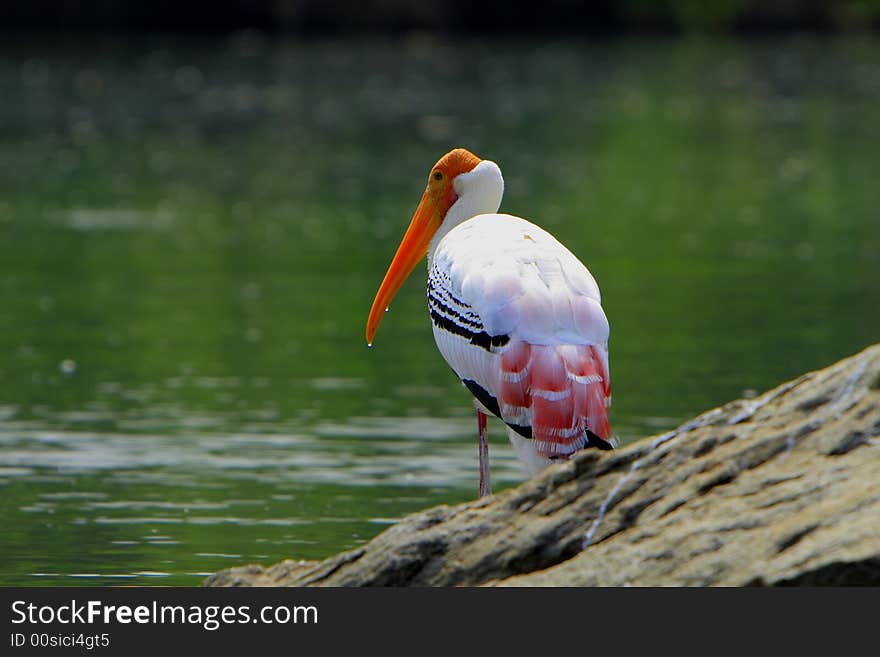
{"type": "Point", "coordinates": [192, 231]}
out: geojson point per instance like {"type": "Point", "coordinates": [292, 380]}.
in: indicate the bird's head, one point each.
{"type": "Point", "coordinates": [440, 194]}
{"type": "Point", "coordinates": [458, 178]}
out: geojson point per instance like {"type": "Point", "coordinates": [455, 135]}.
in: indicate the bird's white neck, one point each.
{"type": "Point", "coordinates": [479, 192]}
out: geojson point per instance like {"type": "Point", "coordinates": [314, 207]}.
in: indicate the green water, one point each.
{"type": "Point", "coordinates": [192, 231]}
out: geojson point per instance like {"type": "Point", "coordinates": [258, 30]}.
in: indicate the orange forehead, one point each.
{"type": "Point", "coordinates": [457, 161]}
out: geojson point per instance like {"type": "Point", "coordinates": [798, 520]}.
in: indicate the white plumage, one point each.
{"type": "Point", "coordinates": [520, 281]}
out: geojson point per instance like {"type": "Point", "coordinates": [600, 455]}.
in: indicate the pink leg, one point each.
{"type": "Point", "coordinates": [485, 484]}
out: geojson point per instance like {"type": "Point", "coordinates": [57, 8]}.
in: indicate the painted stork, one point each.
{"type": "Point", "coordinates": [515, 314]}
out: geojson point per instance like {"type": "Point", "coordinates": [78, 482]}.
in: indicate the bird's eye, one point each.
{"type": "Point", "coordinates": [437, 175]}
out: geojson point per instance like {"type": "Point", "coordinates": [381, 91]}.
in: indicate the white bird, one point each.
{"type": "Point", "coordinates": [515, 314]}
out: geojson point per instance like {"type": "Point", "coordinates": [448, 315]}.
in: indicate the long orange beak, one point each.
{"type": "Point", "coordinates": [412, 249]}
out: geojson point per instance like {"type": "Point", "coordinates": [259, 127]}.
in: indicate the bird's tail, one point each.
{"type": "Point", "coordinates": [561, 391]}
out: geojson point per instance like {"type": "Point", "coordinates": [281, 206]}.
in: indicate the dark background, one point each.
{"type": "Point", "coordinates": [564, 16]}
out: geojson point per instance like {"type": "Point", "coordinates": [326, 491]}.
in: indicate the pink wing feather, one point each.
{"type": "Point", "coordinates": [561, 391]}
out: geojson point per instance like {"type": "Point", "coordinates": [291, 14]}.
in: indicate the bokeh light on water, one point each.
{"type": "Point", "coordinates": [191, 233]}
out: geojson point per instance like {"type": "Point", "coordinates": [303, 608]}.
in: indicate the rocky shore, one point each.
{"type": "Point", "coordinates": [781, 489]}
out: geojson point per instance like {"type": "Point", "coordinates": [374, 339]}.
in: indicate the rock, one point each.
{"type": "Point", "coordinates": [777, 490]}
